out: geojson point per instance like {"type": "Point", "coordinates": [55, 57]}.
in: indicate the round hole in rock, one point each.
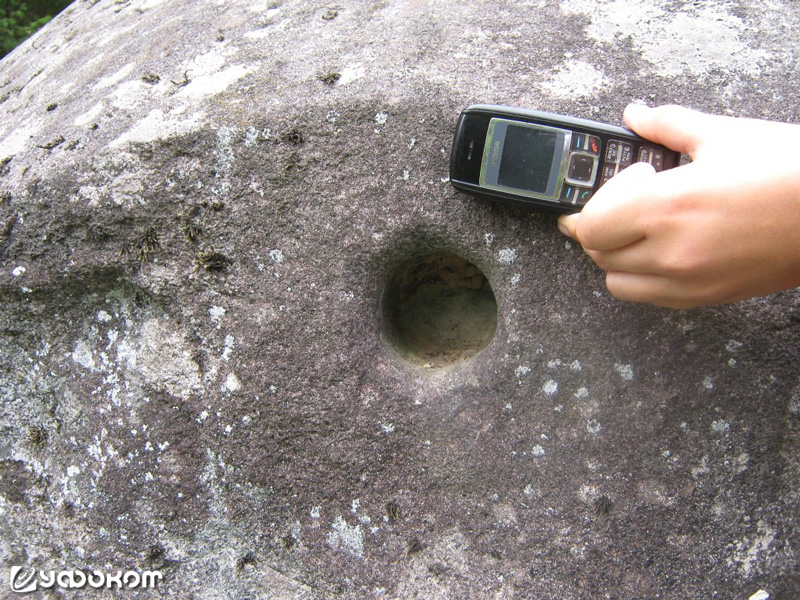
{"type": "Point", "coordinates": [438, 310]}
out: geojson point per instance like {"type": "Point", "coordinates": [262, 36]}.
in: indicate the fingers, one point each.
{"type": "Point", "coordinates": [567, 224]}
{"type": "Point", "coordinates": [633, 287]}
{"type": "Point", "coordinates": [617, 227]}
{"type": "Point", "coordinates": [655, 289]}
{"type": "Point", "coordinates": [607, 219]}
{"type": "Point", "coordinates": [675, 127]}
{"type": "Point", "coordinates": [633, 258]}
{"type": "Point", "coordinates": [615, 216]}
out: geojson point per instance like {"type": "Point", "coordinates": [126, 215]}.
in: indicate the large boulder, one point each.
{"type": "Point", "coordinates": [253, 340]}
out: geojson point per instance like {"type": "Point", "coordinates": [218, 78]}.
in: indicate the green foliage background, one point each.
{"type": "Point", "coordinates": [20, 19]}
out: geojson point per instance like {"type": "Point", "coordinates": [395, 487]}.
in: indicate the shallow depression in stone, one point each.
{"type": "Point", "coordinates": [438, 310]}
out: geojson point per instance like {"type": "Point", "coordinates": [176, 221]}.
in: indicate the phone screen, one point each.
{"type": "Point", "coordinates": [523, 157]}
{"type": "Point", "coordinates": [527, 159]}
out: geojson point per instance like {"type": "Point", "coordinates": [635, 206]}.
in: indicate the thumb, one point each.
{"type": "Point", "coordinates": [567, 225]}
{"type": "Point", "coordinates": [675, 127]}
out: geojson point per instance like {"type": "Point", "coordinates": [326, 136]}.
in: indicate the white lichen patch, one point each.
{"type": "Point", "coordinates": [344, 537]}
{"type": "Point", "coordinates": [367, 520]}
{"type": "Point", "coordinates": [127, 189]}
{"type": "Point", "coordinates": [158, 354]}
{"type": "Point", "coordinates": [19, 138]}
{"type": "Point", "coordinates": [158, 125]}
{"type": "Point", "coordinates": [576, 79]}
{"type": "Point", "coordinates": [251, 135]}
{"type": "Point", "coordinates": [507, 256]}
{"type": "Point", "coordinates": [130, 355]}
{"type": "Point", "coordinates": [210, 73]}
{"type": "Point", "coordinates": [753, 551]}
{"type": "Point", "coordinates": [794, 404]}
{"type": "Point", "coordinates": [144, 5]}
{"type": "Point", "coordinates": [550, 387]}
{"type": "Point", "coordinates": [228, 348]}
{"type": "Point", "coordinates": [588, 493]}
{"type": "Point", "coordinates": [232, 383]}
{"type": "Point", "coordinates": [593, 426]}
{"type": "Point", "coordinates": [224, 150]}
{"type": "Point", "coordinates": [124, 181]}
{"type": "Point", "coordinates": [216, 313]}
{"type": "Point", "coordinates": [720, 426]}
{"type": "Point", "coordinates": [521, 371]}
{"type": "Point", "coordinates": [262, 7]}
{"type": "Point", "coordinates": [129, 94]}
{"type": "Point", "coordinates": [90, 115]}
{"type": "Point", "coordinates": [733, 345]}
{"type": "Point", "coordinates": [215, 83]}
{"type": "Point", "coordinates": [351, 73]}
{"type": "Point", "coordinates": [114, 78]}
{"type": "Point", "coordinates": [674, 42]}
{"type": "Point", "coordinates": [82, 354]}
{"type": "Point", "coordinates": [625, 371]}
{"type": "Point", "coordinates": [537, 451]}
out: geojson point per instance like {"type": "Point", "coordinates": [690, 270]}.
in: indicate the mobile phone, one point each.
{"type": "Point", "coordinates": [543, 160]}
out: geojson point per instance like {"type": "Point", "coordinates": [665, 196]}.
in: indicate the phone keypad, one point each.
{"type": "Point", "coordinates": [654, 156]}
{"type": "Point", "coordinates": [573, 194]}
{"type": "Point", "coordinates": [619, 155]}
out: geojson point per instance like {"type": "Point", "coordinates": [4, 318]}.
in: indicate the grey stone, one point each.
{"type": "Point", "coordinates": [201, 206]}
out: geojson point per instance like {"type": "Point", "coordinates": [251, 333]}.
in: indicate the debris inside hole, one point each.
{"type": "Point", "coordinates": [438, 310]}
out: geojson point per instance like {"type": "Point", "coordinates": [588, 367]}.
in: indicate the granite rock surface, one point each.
{"type": "Point", "coordinates": [202, 207]}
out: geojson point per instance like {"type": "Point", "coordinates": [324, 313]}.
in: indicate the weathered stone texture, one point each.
{"type": "Point", "coordinates": [200, 206]}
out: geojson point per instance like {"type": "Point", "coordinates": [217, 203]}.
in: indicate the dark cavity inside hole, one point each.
{"type": "Point", "coordinates": [438, 310]}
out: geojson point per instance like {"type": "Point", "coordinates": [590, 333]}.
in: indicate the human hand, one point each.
{"type": "Point", "coordinates": [722, 228]}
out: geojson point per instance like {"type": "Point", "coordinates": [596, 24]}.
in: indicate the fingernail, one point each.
{"type": "Point", "coordinates": [562, 227]}
{"type": "Point", "coordinates": [635, 108]}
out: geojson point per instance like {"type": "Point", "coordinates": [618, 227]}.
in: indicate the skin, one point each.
{"type": "Point", "coordinates": [722, 228]}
